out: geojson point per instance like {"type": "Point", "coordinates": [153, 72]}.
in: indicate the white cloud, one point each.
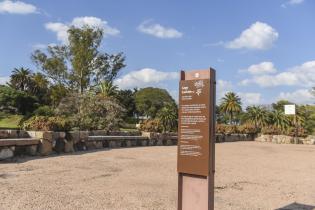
{"type": "Point", "coordinates": [261, 68]}
{"type": "Point", "coordinates": [144, 78]}
{"type": "Point", "coordinates": [17, 7]}
{"type": "Point", "coordinates": [292, 2]}
{"type": "Point", "coordinates": [4, 80]}
{"type": "Point", "coordinates": [61, 28]}
{"type": "Point", "coordinates": [258, 36]}
{"type": "Point", "coordinates": [95, 22]}
{"type": "Point", "coordinates": [302, 75]}
{"type": "Point", "coordinates": [295, 1]}
{"type": "Point", "coordinates": [250, 98]}
{"type": "Point", "coordinates": [300, 96]}
{"type": "Point", "coordinates": [159, 31]}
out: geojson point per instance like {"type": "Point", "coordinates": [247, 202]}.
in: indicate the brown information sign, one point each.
{"type": "Point", "coordinates": [195, 123]}
{"type": "Point", "coordinates": [195, 151]}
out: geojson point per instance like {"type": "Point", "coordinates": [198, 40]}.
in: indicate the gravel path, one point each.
{"type": "Point", "coordinates": [249, 176]}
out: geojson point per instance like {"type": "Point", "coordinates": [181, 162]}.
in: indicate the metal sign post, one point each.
{"type": "Point", "coordinates": [290, 109]}
{"type": "Point", "coordinates": [196, 138]}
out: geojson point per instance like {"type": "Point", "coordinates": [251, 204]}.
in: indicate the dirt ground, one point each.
{"type": "Point", "coordinates": [249, 176]}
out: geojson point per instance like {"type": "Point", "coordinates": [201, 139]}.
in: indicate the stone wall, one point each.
{"type": "Point", "coordinates": [283, 139]}
{"type": "Point", "coordinates": [66, 142]}
{"type": "Point", "coordinates": [5, 134]}
{"type": "Point", "coordinates": [220, 138]}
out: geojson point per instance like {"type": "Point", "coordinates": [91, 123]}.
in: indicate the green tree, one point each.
{"type": "Point", "coordinates": [257, 115]}
{"type": "Point", "coordinates": [149, 101]}
{"type": "Point", "coordinates": [53, 64]}
{"type": "Point", "coordinates": [56, 93]}
{"type": "Point", "coordinates": [279, 105]}
{"type": "Point", "coordinates": [231, 105]}
{"type": "Point", "coordinates": [21, 79]}
{"type": "Point", "coordinates": [279, 120]}
{"type": "Point", "coordinates": [108, 89]}
{"type": "Point", "coordinates": [127, 99]}
{"type": "Point", "coordinates": [220, 116]}
{"type": "Point", "coordinates": [89, 67]}
{"type": "Point", "coordinates": [12, 100]}
{"type": "Point", "coordinates": [168, 117]}
{"type": "Point", "coordinates": [40, 88]}
{"type": "Point", "coordinates": [90, 111]}
{"type": "Point", "coordinates": [307, 115]}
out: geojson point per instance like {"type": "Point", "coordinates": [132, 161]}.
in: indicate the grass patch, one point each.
{"type": "Point", "coordinates": [10, 121]}
{"type": "Point", "coordinates": [128, 129]}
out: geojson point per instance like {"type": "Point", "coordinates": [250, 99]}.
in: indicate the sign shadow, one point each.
{"type": "Point", "coordinates": [297, 206]}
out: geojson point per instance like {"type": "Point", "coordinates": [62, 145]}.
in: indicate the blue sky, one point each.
{"type": "Point", "coordinates": [263, 50]}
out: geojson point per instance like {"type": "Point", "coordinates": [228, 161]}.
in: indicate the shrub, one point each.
{"type": "Point", "coordinates": [247, 129]}
{"type": "Point", "coordinates": [45, 123]}
{"type": "Point", "coordinates": [151, 126]}
{"type": "Point", "coordinates": [91, 112]}
{"type": "Point", "coordinates": [44, 111]}
{"type": "Point", "coordinates": [271, 130]}
{"type": "Point", "coordinates": [16, 101]}
{"type": "Point", "coordinates": [226, 129]}
{"type": "Point", "coordinates": [242, 129]}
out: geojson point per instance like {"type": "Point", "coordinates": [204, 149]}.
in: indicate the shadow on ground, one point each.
{"type": "Point", "coordinates": [297, 206]}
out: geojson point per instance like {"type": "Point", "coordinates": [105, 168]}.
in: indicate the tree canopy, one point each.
{"type": "Point", "coordinates": [80, 65]}
{"type": "Point", "coordinates": [149, 101]}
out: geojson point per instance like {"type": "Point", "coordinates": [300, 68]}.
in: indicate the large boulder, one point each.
{"type": "Point", "coordinates": [31, 150]}
{"type": "Point", "coordinates": [45, 147]}
{"type": "Point", "coordinates": [6, 153]}
{"type": "Point", "coordinates": [68, 146]}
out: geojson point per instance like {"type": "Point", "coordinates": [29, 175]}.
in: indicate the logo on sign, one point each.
{"type": "Point", "coordinates": [199, 85]}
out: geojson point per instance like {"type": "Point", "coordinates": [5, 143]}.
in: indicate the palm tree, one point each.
{"type": "Point", "coordinates": [279, 120]}
{"type": "Point", "coordinates": [257, 115]}
{"type": "Point", "coordinates": [40, 83]}
{"type": "Point", "coordinates": [231, 104]}
{"type": "Point", "coordinates": [20, 79]}
{"type": "Point", "coordinates": [108, 89]}
{"type": "Point", "coordinates": [168, 117]}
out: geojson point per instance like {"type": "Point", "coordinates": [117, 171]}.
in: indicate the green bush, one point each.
{"type": "Point", "coordinates": [241, 129]}
{"type": "Point", "coordinates": [91, 112]}
{"type": "Point", "coordinates": [247, 129]}
{"type": "Point", "coordinates": [16, 101]}
{"type": "Point", "coordinates": [45, 123]}
{"type": "Point", "coordinates": [44, 111]}
{"type": "Point", "coordinates": [225, 129]}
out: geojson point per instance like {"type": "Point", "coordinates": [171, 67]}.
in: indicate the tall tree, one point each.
{"type": "Point", "coordinates": [127, 99]}
{"type": "Point", "coordinates": [79, 65]}
{"type": "Point", "coordinates": [20, 79]}
{"type": "Point", "coordinates": [231, 104]}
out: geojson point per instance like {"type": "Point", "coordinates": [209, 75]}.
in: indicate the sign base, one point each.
{"type": "Point", "coordinates": [194, 192]}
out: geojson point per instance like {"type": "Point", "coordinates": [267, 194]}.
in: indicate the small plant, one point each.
{"type": "Point", "coordinates": [45, 123]}
{"type": "Point", "coordinates": [151, 126]}
{"type": "Point", "coordinates": [44, 111]}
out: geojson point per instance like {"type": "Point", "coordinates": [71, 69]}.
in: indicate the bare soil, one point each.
{"type": "Point", "coordinates": [249, 176]}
